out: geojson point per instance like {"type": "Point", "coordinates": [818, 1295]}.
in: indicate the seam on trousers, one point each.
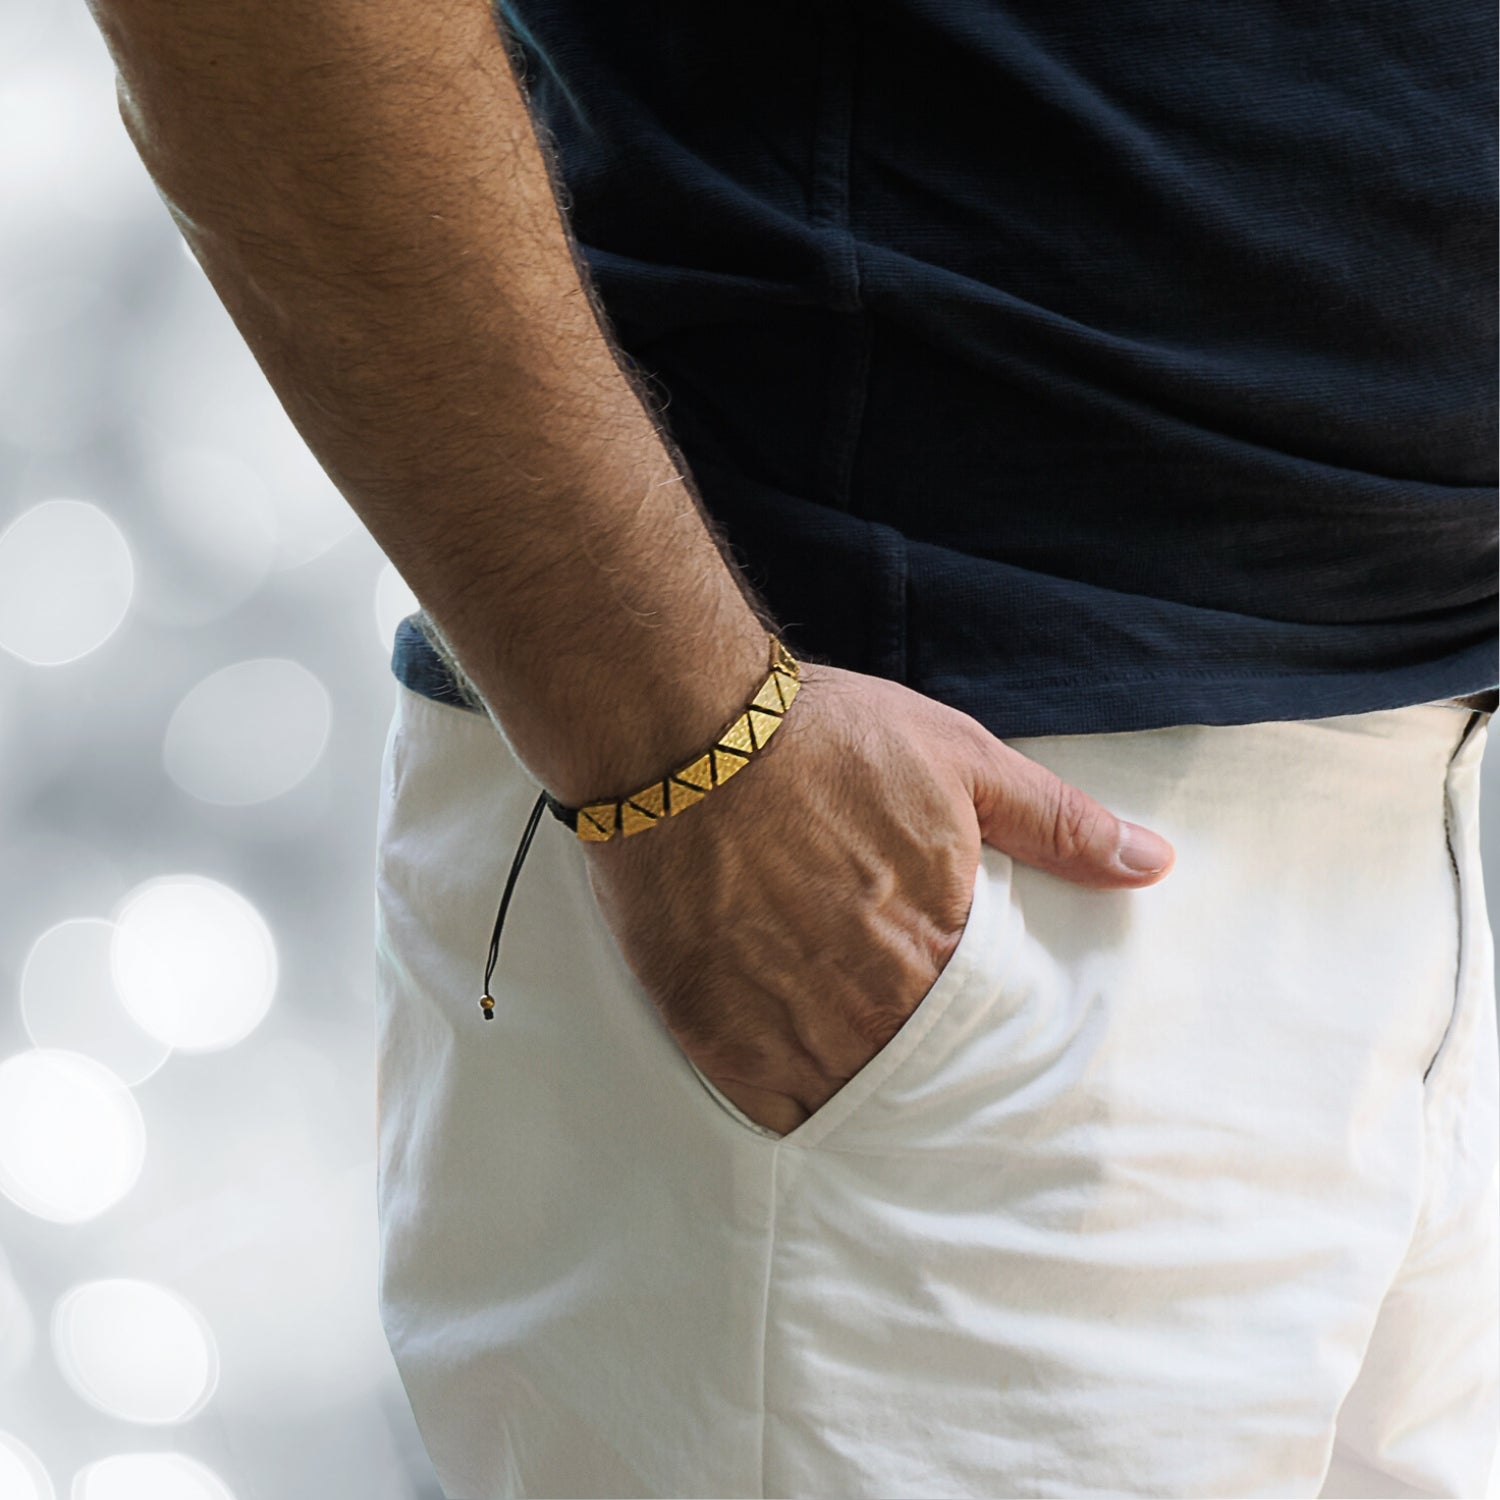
{"type": "Point", "coordinates": [1458, 960]}
{"type": "Point", "coordinates": [765, 1310]}
{"type": "Point", "coordinates": [1475, 717]}
{"type": "Point", "coordinates": [1424, 1152]}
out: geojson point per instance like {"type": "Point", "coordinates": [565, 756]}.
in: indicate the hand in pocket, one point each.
{"type": "Point", "coordinates": [786, 926]}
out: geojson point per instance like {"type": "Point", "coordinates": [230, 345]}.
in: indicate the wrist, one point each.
{"type": "Point", "coordinates": [648, 711]}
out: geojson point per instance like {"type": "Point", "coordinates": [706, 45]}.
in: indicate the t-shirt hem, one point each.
{"type": "Point", "coordinates": [1077, 703]}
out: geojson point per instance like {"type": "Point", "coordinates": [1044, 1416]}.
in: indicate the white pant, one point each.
{"type": "Point", "coordinates": [1185, 1191]}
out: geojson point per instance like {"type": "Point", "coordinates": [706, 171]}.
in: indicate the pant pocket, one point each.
{"type": "Point", "coordinates": [920, 1045]}
{"type": "Point", "coordinates": [1474, 978]}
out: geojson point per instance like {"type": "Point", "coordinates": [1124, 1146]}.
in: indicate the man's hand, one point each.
{"type": "Point", "coordinates": [788, 925]}
{"type": "Point", "coordinates": [365, 190]}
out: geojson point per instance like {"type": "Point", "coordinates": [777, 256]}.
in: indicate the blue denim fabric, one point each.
{"type": "Point", "coordinates": [418, 664]}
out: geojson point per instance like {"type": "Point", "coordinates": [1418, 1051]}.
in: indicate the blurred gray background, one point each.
{"type": "Point", "coordinates": [194, 699]}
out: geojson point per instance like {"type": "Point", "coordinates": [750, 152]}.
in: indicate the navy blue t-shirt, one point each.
{"type": "Point", "coordinates": [1084, 367]}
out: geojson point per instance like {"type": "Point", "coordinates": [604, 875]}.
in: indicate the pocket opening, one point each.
{"type": "Point", "coordinates": [1461, 896]}
{"type": "Point", "coordinates": [904, 1047]}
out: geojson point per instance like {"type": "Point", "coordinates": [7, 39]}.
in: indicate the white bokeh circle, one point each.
{"type": "Point", "coordinates": [200, 386]}
{"type": "Point", "coordinates": [41, 132]}
{"type": "Point", "coordinates": [194, 962]}
{"type": "Point", "coordinates": [149, 1476]}
{"type": "Point", "coordinates": [135, 1350]}
{"type": "Point", "coordinates": [65, 146]}
{"type": "Point", "coordinates": [24, 27]}
{"type": "Point", "coordinates": [394, 600]}
{"type": "Point", "coordinates": [248, 732]}
{"type": "Point", "coordinates": [68, 1000]}
{"type": "Point", "coordinates": [66, 579]}
{"type": "Point", "coordinates": [213, 539]}
{"type": "Point", "coordinates": [17, 1328]}
{"type": "Point", "coordinates": [72, 1140]}
{"type": "Point", "coordinates": [292, 1240]}
{"type": "Point", "coordinates": [22, 1476]}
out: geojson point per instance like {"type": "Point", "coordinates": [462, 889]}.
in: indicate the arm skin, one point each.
{"type": "Point", "coordinates": [364, 188]}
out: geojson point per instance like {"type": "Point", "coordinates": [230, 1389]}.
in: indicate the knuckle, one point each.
{"type": "Point", "coordinates": [711, 1019]}
{"type": "Point", "coordinates": [744, 1059]}
{"type": "Point", "coordinates": [1075, 822]}
{"type": "Point", "coordinates": [876, 1022]}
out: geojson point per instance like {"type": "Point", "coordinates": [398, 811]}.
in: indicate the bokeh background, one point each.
{"type": "Point", "coordinates": [195, 633]}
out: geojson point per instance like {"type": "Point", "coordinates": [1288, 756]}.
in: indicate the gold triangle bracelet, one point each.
{"type": "Point", "coordinates": [618, 817]}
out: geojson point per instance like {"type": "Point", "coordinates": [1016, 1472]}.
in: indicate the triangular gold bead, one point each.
{"type": "Point", "coordinates": [632, 819]}
{"type": "Point", "coordinates": [651, 801]}
{"type": "Point", "coordinates": [699, 774]}
{"type": "Point", "coordinates": [762, 724]}
{"type": "Point", "coordinates": [769, 697]}
{"type": "Point", "coordinates": [738, 736]}
{"type": "Point", "coordinates": [596, 822]}
{"type": "Point", "coordinates": [684, 795]}
{"type": "Point", "coordinates": [726, 763]}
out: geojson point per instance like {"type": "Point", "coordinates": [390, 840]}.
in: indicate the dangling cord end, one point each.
{"type": "Point", "coordinates": [486, 1000]}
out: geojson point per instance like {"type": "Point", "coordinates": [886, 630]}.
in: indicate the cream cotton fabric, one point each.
{"type": "Point", "coordinates": [1185, 1191]}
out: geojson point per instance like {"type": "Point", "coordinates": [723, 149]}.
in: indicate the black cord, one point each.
{"type": "Point", "coordinates": [486, 1002]}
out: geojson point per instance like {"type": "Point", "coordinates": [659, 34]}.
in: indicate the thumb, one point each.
{"type": "Point", "coordinates": [1042, 820]}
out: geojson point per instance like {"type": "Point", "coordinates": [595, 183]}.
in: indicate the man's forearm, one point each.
{"type": "Point", "coordinates": [363, 186]}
